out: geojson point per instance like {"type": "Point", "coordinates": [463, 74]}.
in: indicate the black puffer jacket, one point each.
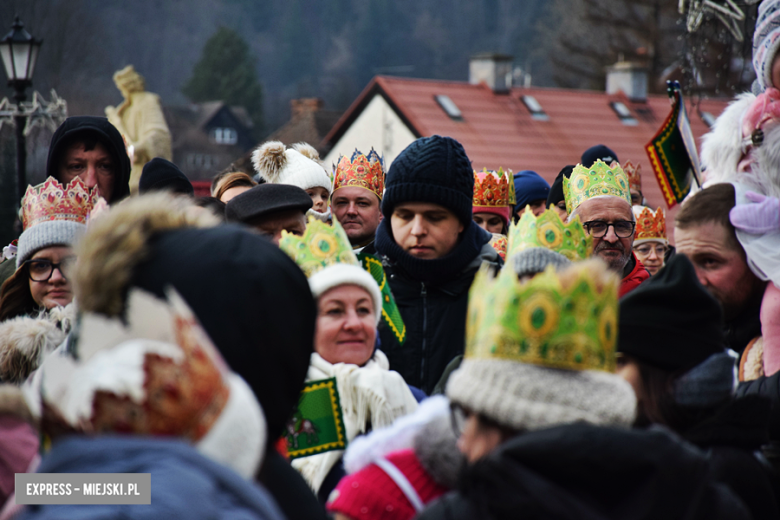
{"type": "Point", "coordinates": [107, 134]}
{"type": "Point", "coordinates": [434, 314]}
{"type": "Point", "coordinates": [581, 471]}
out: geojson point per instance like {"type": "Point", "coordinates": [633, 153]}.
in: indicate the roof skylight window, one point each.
{"type": "Point", "coordinates": [449, 107]}
{"type": "Point", "coordinates": [623, 113]}
{"type": "Point", "coordinates": [533, 106]}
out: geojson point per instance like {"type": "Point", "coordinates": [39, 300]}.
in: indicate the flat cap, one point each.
{"type": "Point", "coordinates": [265, 199]}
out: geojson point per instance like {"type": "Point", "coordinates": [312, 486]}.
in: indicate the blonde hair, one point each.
{"type": "Point", "coordinates": [232, 180]}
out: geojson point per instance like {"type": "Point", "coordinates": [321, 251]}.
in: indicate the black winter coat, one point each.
{"type": "Point", "coordinates": [585, 472]}
{"type": "Point", "coordinates": [435, 319]}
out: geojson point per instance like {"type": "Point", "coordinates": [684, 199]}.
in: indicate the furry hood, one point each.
{"type": "Point", "coordinates": [119, 240]}
{"type": "Point", "coordinates": [721, 147]}
{"type": "Point", "coordinates": [25, 341]}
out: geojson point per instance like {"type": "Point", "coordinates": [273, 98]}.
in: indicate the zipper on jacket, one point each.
{"type": "Point", "coordinates": [424, 295]}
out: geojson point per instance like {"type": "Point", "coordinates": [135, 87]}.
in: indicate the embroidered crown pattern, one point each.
{"type": "Point", "coordinates": [51, 200]}
{"type": "Point", "coordinates": [598, 180]}
{"type": "Point", "coordinates": [549, 231]}
{"type": "Point", "coordinates": [321, 246]}
{"type": "Point", "coordinates": [362, 171]}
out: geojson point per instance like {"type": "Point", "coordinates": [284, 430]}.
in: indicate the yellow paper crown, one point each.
{"type": "Point", "coordinates": [549, 231]}
{"type": "Point", "coordinates": [319, 247]}
{"type": "Point", "coordinates": [596, 181]}
{"type": "Point", "coordinates": [566, 320]}
{"type": "Point", "coordinates": [51, 200]}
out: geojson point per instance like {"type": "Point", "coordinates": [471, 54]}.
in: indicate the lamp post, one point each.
{"type": "Point", "coordinates": [19, 51]}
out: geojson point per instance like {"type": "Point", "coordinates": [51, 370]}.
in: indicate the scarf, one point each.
{"type": "Point", "coordinates": [437, 270]}
{"type": "Point", "coordinates": [371, 396]}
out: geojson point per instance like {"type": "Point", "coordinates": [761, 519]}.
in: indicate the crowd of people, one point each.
{"type": "Point", "coordinates": [426, 341]}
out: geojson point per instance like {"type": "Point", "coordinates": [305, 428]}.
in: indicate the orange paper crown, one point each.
{"type": "Point", "coordinates": [499, 243]}
{"type": "Point", "coordinates": [52, 201]}
{"type": "Point", "coordinates": [491, 189]}
{"type": "Point", "coordinates": [362, 171]}
{"type": "Point", "coordinates": [649, 225]}
{"type": "Point", "coordinates": [634, 174]}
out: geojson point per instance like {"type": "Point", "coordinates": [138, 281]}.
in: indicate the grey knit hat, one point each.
{"type": "Point", "coordinates": [536, 259]}
{"type": "Point", "coordinates": [47, 234]}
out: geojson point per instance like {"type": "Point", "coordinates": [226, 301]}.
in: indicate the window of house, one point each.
{"type": "Point", "coordinates": [224, 135]}
{"type": "Point", "coordinates": [535, 108]}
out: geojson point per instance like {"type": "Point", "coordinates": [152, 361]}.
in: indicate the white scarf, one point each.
{"type": "Point", "coordinates": [370, 395]}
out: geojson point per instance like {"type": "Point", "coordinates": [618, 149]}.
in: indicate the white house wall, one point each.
{"type": "Point", "coordinates": [378, 126]}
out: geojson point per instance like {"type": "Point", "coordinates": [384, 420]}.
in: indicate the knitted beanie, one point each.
{"type": "Point", "coordinates": [47, 234]}
{"type": "Point", "coordinates": [766, 41]}
{"type": "Point", "coordinates": [597, 152]}
{"type": "Point", "coordinates": [299, 166]}
{"type": "Point", "coordinates": [394, 488]}
{"type": "Point", "coordinates": [503, 212]}
{"type": "Point", "coordinates": [529, 186]}
{"type": "Point", "coordinates": [556, 190]}
{"type": "Point", "coordinates": [162, 175]}
{"type": "Point", "coordinates": [671, 321]}
{"type": "Point", "coordinates": [346, 274]}
{"type": "Point", "coordinates": [536, 259]}
{"type": "Point", "coordinates": [431, 169]}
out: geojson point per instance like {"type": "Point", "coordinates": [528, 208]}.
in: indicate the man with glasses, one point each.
{"type": "Point", "coordinates": [600, 196]}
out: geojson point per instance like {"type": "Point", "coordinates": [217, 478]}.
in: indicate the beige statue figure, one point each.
{"type": "Point", "coordinates": [141, 121]}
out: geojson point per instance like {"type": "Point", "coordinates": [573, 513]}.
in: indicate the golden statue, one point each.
{"type": "Point", "coordinates": [141, 121]}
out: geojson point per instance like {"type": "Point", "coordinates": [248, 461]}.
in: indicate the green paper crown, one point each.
{"type": "Point", "coordinates": [319, 247]}
{"type": "Point", "coordinates": [549, 231]}
{"type": "Point", "coordinates": [598, 180]}
{"type": "Point", "coordinates": [512, 192]}
{"type": "Point", "coordinates": [566, 320]}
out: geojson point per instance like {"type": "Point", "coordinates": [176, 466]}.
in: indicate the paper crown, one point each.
{"type": "Point", "coordinates": [549, 231]}
{"type": "Point", "coordinates": [319, 247]}
{"type": "Point", "coordinates": [634, 174]}
{"type": "Point", "coordinates": [499, 243]}
{"type": "Point", "coordinates": [598, 180]}
{"type": "Point", "coordinates": [361, 171]}
{"type": "Point", "coordinates": [568, 320]}
{"type": "Point", "coordinates": [492, 189]}
{"type": "Point", "coordinates": [51, 201]}
{"type": "Point", "coordinates": [649, 225]}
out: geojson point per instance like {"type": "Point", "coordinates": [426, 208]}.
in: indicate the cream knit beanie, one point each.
{"type": "Point", "coordinates": [299, 166]}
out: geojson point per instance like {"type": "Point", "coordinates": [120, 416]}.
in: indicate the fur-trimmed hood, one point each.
{"type": "Point", "coordinates": [26, 340]}
{"type": "Point", "coordinates": [721, 147]}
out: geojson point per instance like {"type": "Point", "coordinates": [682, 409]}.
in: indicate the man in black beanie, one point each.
{"type": "Point", "coordinates": [431, 249]}
{"type": "Point", "coordinates": [555, 197]}
{"type": "Point", "coordinates": [597, 152]}
{"type": "Point", "coordinates": [162, 175]}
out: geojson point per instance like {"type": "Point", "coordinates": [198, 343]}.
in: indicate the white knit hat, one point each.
{"type": "Point", "coordinates": [47, 234]}
{"type": "Point", "coordinates": [299, 166]}
{"type": "Point", "coordinates": [766, 41]}
{"type": "Point", "coordinates": [346, 274]}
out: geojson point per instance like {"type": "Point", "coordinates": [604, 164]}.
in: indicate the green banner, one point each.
{"type": "Point", "coordinates": [391, 316]}
{"type": "Point", "coordinates": [317, 425]}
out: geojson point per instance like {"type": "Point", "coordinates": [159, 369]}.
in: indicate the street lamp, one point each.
{"type": "Point", "coordinates": [19, 51]}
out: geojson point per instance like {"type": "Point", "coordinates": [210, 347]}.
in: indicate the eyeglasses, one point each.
{"type": "Point", "coordinates": [41, 270]}
{"type": "Point", "coordinates": [599, 228]}
{"type": "Point", "coordinates": [646, 249]}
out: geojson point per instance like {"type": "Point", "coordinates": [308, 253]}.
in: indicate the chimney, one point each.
{"type": "Point", "coordinates": [495, 70]}
{"type": "Point", "coordinates": [302, 106]}
{"type": "Point", "coordinates": [629, 77]}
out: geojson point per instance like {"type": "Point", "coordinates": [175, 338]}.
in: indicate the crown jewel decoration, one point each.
{"type": "Point", "coordinates": [634, 174]}
{"type": "Point", "coordinates": [549, 231]}
{"type": "Point", "coordinates": [556, 321]}
{"type": "Point", "coordinates": [491, 189]}
{"type": "Point", "coordinates": [53, 201]}
{"type": "Point", "coordinates": [598, 180]}
{"type": "Point", "coordinates": [361, 171]}
{"type": "Point", "coordinates": [499, 243]}
{"type": "Point", "coordinates": [319, 247]}
{"type": "Point", "coordinates": [649, 225]}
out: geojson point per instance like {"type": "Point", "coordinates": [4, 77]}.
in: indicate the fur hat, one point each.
{"type": "Point", "coordinates": [766, 41]}
{"type": "Point", "coordinates": [299, 165]}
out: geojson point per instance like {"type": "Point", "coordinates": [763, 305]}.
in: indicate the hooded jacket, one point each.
{"type": "Point", "coordinates": [185, 484]}
{"type": "Point", "coordinates": [107, 135]}
{"type": "Point", "coordinates": [433, 309]}
{"type": "Point", "coordinates": [581, 471]}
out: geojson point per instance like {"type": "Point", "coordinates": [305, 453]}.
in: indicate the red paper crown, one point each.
{"type": "Point", "coordinates": [634, 174]}
{"type": "Point", "coordinates": [362, 171]}
{"type": "Point", "coordinates": [649, 225]}
{"type": "Point", "coordinates": [491, 189]}
{"type": "Point", "coordinates": [52, 201]}
{"type": "Point", "coordinates": [499, 243]}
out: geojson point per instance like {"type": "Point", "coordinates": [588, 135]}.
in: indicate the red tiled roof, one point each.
{"type": "Point", "coordinates": [497, 130]}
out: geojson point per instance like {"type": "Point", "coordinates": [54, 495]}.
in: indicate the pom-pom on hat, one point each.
{"type": "Point", "coordinates": [432, 169]}
{"type": "Point", "coordinates": [299, 165]}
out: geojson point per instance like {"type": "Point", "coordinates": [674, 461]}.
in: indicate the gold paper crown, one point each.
{"type": "Point", "coordinates": [598, 180]}
{"type": "Point", "coordinates": [491, 189]}
{"type": "Point", "coordinates": [361, 171]}
{"type": "Point", "coordinates": [634, 174]}
{"type": "Point", "coordinates": [319, 247]}
{"type": "Point", "coordinates": [566, 320]}
{"type": "Point", "coordinates": [51, 201]}
{"type": "Point", "coordinates": [549, 231]}
{"type": "Point", "coordinates": [649, 225]}
{"type": "Point", "coordinates": [499, 243]}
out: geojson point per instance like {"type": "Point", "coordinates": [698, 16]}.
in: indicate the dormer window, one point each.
{"type": "Point", "coordinates": [224, 135]}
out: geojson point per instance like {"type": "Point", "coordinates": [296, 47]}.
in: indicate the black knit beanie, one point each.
{"type": "Point", "coordinates": [431, 169]}
{"type": "Point", "coordinates": [162, 175]}
{"type": "Point", "coordinates": [671, 321]}
{"type": "Point", "coordinates": [556, 190]}
{"type": "Point", "coordinates": [597, 152]}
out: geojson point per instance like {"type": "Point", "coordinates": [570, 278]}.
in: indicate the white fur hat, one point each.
{"type": "Point", "coordinates": [346, 274]}
{"type": "Point", "coordinates": [299, 166]}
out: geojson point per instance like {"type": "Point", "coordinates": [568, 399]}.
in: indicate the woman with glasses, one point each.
{"type": "Point", "coordinates": [650, 243]}
{"type": "Point", "coordinates": [35, 310]}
